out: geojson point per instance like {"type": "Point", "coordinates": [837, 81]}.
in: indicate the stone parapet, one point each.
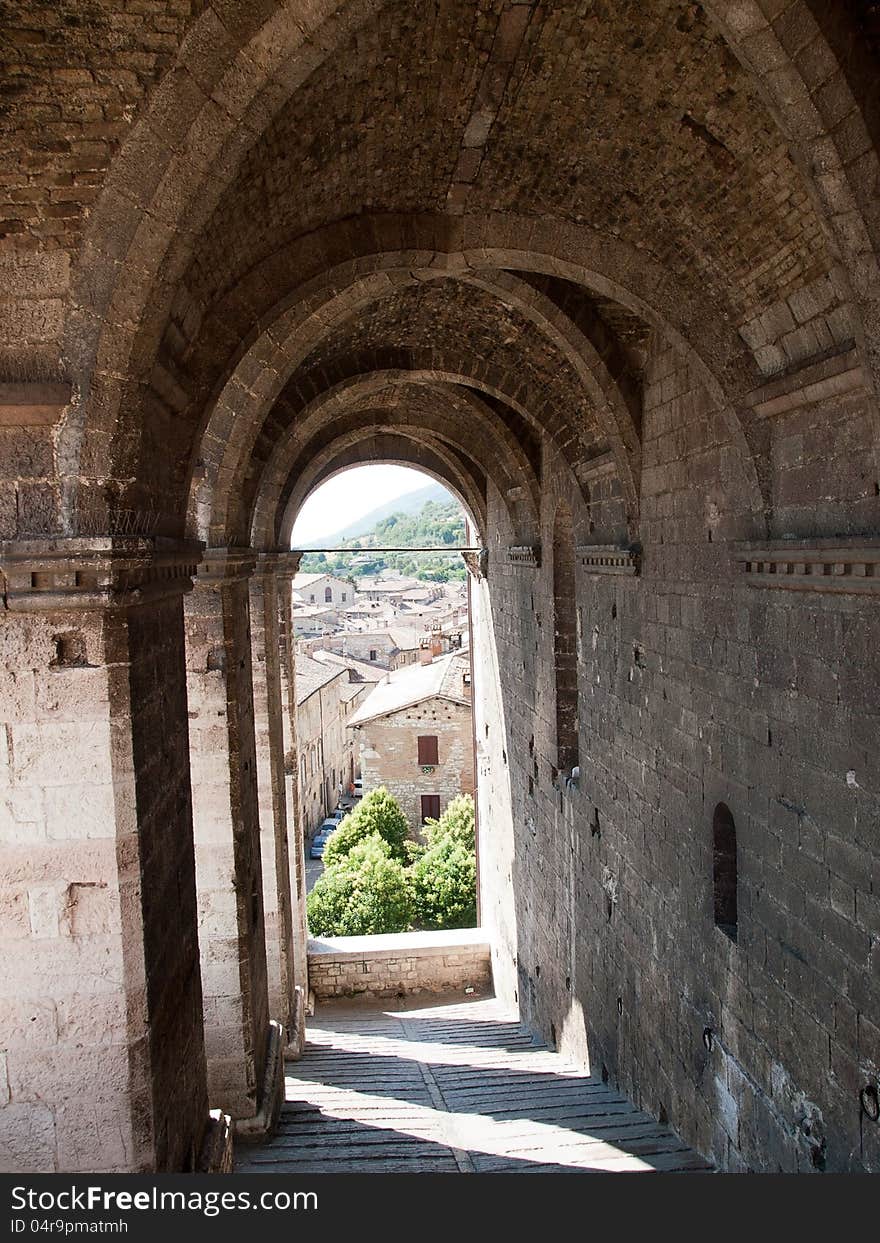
{"type": "Point", "coordinates": [400, 963]}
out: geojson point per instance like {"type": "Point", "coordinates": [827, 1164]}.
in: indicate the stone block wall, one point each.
{"type": "Point", "coordinates": [325, 752]}
{"type": "Point", "coordinates": [101, 1056]}
{"type": "Point", "coordinates": [400, 963]}
{"type": "Point", "coordinates": [389, 754]}
{"type": "Point", "coordinates": [228, 863]}
{"type": "Point", "coordinates": [697, 688]}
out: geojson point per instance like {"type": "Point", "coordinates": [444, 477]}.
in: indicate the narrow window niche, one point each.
{"type": "Point", "coordinates": [724, 882]}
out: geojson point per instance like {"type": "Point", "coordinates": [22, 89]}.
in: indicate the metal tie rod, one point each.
{"type": "Point", "coordinates": [355, 551]}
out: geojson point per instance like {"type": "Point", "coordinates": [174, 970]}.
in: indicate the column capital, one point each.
{"type": "Point", "coordinates": [60, 574]}
{"type": "Point", "coordinates": [283, 564]}
{"type": "Point", "coordinates": [477, 563]}
{"type": "Point", "coordinates": [226, 565]}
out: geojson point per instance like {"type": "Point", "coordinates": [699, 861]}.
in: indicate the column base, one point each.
{"type": "Point", "coordinates": [216, 1156]}
{"type": "Point", "coordinates": [296, 1036]}
{"type": "Point", "coordinates": [261, 1125]}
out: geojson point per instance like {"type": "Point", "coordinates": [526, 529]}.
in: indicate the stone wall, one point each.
{"type": "Point", "coordinates": [389, 754]}
{"type": "Point", "coordinates": [697, 688]}
{"type": "Point", "coordinates": [102, 1065]}
{"type": "Point", "coordinates": [325, 751]}
{"type": "Point", "coordinates": [400, 963]}
{"type": "Point", "coordinates": [160, 753]}
{"type": "Point", "coordinates": [359, 645]}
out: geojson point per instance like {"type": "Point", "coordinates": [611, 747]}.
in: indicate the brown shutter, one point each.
{"type": "Point", "coordinates": [428, 750]}
{"type": "Point", "coordinates": [430, 807]}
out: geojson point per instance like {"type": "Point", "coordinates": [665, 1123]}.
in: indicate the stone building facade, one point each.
{"type": "Point", "coordinates": [385, 649]}
{"type": "Point", "coordinates": [327, 761]}
{"type": "Point", "coordinates": [414, 735]}
{"type": "Point", "coordinates": [324, 589]}
{"type": "Point", "coordinates": [610, 272]}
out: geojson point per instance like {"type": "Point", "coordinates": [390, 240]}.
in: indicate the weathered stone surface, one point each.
{"type": "Point", "coordinates": [399, 964]}
{"type": "Point", "coordinates": [227, 833]}
{"type": "Point", "coordinates": [620, 259]}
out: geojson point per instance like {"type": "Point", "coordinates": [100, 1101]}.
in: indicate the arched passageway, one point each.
{"type": "Point", "coordinates": [612, 262]}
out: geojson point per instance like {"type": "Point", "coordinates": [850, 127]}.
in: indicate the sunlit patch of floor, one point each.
{"type": "Point", "coordinates": [452, 1088]}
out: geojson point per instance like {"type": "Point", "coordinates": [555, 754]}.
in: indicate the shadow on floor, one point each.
{"type": "Point", "coordinates": [449, 1088]}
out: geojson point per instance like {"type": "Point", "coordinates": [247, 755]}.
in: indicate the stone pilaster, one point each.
{"type": "Point", "coordinates": [291, 751]}
{"type": "Point", "coordinates": [281, 893]}
{"type": "Point", "coordinates": [103, 1063]}
{"type": "Point", "coordinates": [227, 832]}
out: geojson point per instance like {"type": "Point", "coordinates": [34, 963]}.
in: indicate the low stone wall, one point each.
{"type": "Point", "coordinates": [400, 963]}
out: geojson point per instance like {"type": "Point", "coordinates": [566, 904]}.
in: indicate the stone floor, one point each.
{"type": "Point", "coordinates": [459, 1088]}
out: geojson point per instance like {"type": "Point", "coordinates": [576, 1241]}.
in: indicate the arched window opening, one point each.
{"type": "Point", "coordinates": [565, 641]}
{"type": "Point", "coordinates": [328, 595]}
{"type": "Point", "coordinates": [724, 870]}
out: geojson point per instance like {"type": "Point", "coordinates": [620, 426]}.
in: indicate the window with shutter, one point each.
{"type": "Point", "coordinates": [430, 807]}
{"type": "Point", "coordinates": [428, 750]}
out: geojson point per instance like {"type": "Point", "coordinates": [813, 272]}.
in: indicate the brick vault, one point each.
{"type": "Point", "coordinates": [610, 272]}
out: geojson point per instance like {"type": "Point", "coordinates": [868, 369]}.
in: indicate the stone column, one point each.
{"type": "Point", "coordinates": [291, 750]}
{"type": "Point", "coordinates": [242, 1060]}
{"type": "Point", "coordinates": [280, 892]}
{"type": "Point", "coordinates": [103, 1061]}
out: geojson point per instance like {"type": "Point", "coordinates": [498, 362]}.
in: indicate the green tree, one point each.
{"type": "Point", "coordinates": [378, 812]}
{"type": "Point", "coordinates": [444, 886]}
{"type": "Point", "coordinates": [459, 822]}
{"type": "Point", "coordinates": [364, 893]}
{"type": "Point", "coordinates": [444, 876]}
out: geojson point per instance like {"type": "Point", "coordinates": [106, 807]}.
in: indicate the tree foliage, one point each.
{"type": "Point", "coordinates": [363, 893]}
{"type": "Point", "coordinates": [444, 877]}
{"type": "Point", "coordinates": [438, 523]}
{"type": "Point", "coordinates": [378, 812]}
{"type": "Point", "coordinates": [378, 880]}
{"type": "Point", "coordinates": [457, 822]}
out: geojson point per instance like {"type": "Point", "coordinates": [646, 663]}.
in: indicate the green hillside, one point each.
{"type": "Point", "coordinates": [410, 503]}
{"type": "Point", "coordinates": [436, 524]}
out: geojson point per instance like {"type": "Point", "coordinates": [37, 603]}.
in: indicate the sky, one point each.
{"type": "Point", "coordinates": [347, 497]}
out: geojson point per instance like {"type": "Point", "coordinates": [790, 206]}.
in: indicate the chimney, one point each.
{"type": "Point", "coordinates": [426, 656]}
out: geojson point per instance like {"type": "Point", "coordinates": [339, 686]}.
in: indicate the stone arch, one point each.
{"type": "Point", "coordinates": [231, 72]}
{"type": "Point", "coordinates": [808, 95]}
{"type": "Point", "coordinates": [615, 417]}
{"type": "Point", "coordinates": [234, 69]}
{"type": "Point", "coordinates": [594, 260]}
{"type": "Point", "coordinates": [248, 392]}
{"type": "Point", "coordinates": [373, 447]}
{"type": "Point", "coordinates": [498, 455]}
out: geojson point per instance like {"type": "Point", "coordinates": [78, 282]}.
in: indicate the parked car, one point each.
{"type": "Point", "coordinates": [338, 815]}
{"type": "Point", "coordinates": [358, 787]}
{"type": "Point", "coordinates": [329, 825]}
{"type": "Point", "coordinates": [319, 841]}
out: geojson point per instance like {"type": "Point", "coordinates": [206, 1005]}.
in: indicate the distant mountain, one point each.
{"type": "Point", "coordinates": [430, 523]}
{"type": "Point", "coordinates": [410, 503]}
